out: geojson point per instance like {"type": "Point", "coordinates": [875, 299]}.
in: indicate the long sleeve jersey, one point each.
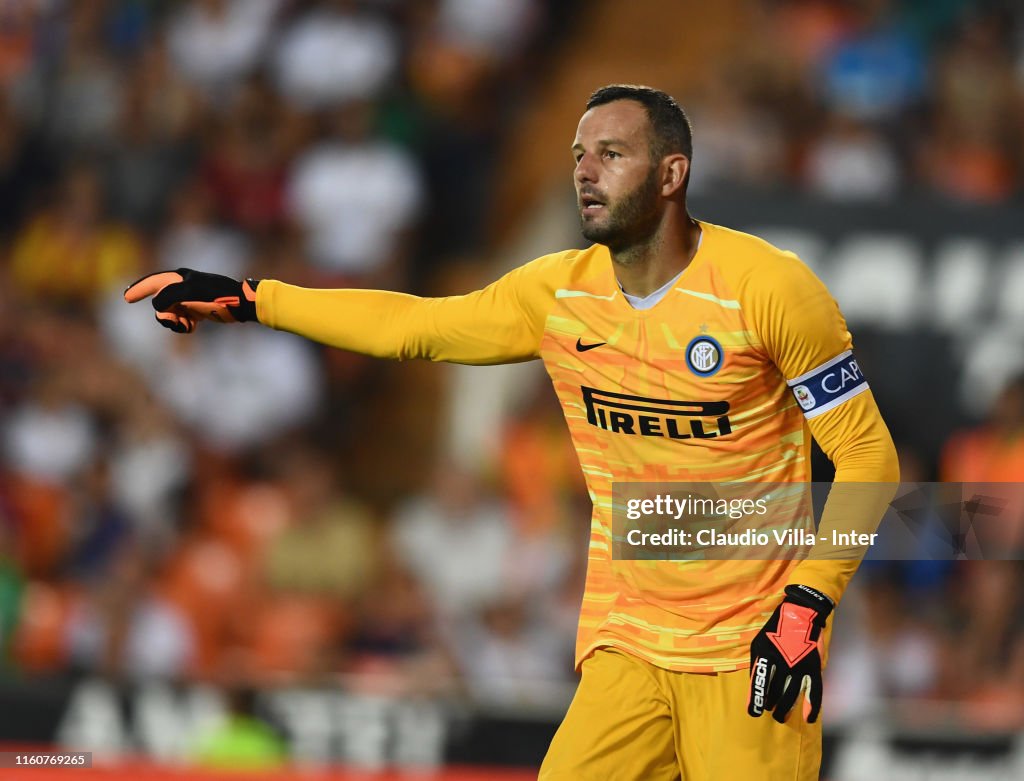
{"type": "Point", "coordinates": [726, 379]}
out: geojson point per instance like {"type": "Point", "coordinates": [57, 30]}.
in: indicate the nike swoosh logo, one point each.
{"type": "Point", "coordinates": [582, 348]}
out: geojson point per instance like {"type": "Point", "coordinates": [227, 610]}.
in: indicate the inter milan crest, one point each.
{"type": "Point", "coordinates": [704, 356]}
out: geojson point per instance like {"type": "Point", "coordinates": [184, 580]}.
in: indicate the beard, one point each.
{"type": "Point", "coordinates": [630, 221]}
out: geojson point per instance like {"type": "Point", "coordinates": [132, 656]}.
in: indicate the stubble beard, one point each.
{"type": "Point", "coordinates": [631, 222]}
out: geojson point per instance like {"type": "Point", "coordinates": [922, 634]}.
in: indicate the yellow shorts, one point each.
{"type": "Point", "coordinates": [631, 721]}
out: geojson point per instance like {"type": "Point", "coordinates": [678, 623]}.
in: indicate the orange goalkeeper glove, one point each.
{"type": "Point", "coordinates": [785, 656]}
{"type": "Point", "coordinates": [184, 297]}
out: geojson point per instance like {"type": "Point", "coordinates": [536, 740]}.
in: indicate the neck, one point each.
{"type": "Point", "coordinates": [644, 267]}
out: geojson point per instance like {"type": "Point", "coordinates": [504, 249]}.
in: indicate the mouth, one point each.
{"type": "Point", "coordinates": [590, 205]}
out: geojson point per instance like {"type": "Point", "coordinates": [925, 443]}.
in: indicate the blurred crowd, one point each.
{"type": "Point", "coordinates": [243, 505]}
{"type": "Point", "coordinates": [870, 100]}
{"type": "Point", "coordinates": [945, 631]}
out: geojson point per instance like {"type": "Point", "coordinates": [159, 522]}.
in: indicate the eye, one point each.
{"type": "Point", "coordinates": [611, 154]}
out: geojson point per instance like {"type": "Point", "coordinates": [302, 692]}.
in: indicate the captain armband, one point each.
{"type": "Point", "coordinates": [829, 385]}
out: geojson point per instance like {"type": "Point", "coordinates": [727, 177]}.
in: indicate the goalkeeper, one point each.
{"type": "Point", "coordinates": [678, 349]}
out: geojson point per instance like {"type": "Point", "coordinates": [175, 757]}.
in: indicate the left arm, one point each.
{"type": "Point", "coordinates": [806, 337]}
{"type": "Point", "coordinates": [856, 440]}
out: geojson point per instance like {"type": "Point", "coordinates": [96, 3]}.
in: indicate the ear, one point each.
{"type": "Point", "coordinates": [675, 169]}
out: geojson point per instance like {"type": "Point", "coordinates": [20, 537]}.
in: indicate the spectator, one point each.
{"type": "Point", "coordinates": [993, 451]}
{"type": "Point", "coordinates": [216, 43]}
{"type": "Point", "coordinates": [151, 463]}
{"type": "Point", "coordinates": [507, 657]}
{"type": "Point", "coordinates": [74, 96]}
{"type": "Point", "coordinates": [879, 71]}
{"type": "Point", "coordinates": [538, 468]}
{"type": "Point", "coordinates": [334, 54]}
{"type": "Point", "coordinates": [539, 473]}
{"type": "Point", "coordinates": [887, 656]}
{"type": "Point", "coordinates": [966, 164]}
{"type": "Point", "coordinates": [167, 102]}
{"type": "Point", "coordinates": [812, 28]}
{"type": "Point", "coordinates": [974, 84]}
{"type": "Point", "coordinates": [852, 161]}
{"type": "Point", "coordinates": [969, 150]}
{"type": "Point", "coordinates": [331, 548]}
{"type": "Point", "coordinates": [492, 29]}
{"type": "Point", "coordinates": [194, 239]}
{"type": "Point", "coordinates": [742, 144]}
{"type": "Point", "coordinates": [245, 168]}
{"type": "Point", "coordinates": [455, 540]}
{"type": "Point", "coordinates": [241, 740]}
{"type": "Point", "coordinates": [985, 641]}
{"type": "Point", "coordinates": [236, 388]}
{"type": "Point", "coordinates": [24, 169]}
{"type": "Point", "coordinates": [100, 529]}
{"type": "Point", "coordinates": [142, 170]}
{"type": "Point", "coordinates": [71, 254]}
{"type": "Point", "coordinates": [357, 196]}
{"type": "Point", "coordinates": [395, 646]}
{"type": "Point", "coordinates": [123, 629]}
{"type": "Point", "coordinates": [51, 436]}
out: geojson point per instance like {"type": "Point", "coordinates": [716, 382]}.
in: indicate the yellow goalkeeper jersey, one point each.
{"type": "Point", "coordinates": [724, 379]}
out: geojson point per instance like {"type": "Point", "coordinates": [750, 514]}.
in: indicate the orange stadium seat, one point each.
{"type": "Point", "coordinates": [205, 578]}
{"type": "Point", "coordinates": [40, 511]}
{"type": "Point", "coordinates": [245, 516]}
{"type": "Point", "coordinates": [294, 634]}
{"type": "Point", "coordinates": [39, 643]}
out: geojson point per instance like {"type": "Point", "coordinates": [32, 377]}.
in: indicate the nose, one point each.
{"type": "Point", "coordinates": [585, 170]}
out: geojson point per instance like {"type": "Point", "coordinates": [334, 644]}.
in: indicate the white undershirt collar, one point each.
{"type": "Point", "coordinates": [646, 302]}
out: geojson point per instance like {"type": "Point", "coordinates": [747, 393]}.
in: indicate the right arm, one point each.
{"type": "Point", "coordinates": [502, 323]}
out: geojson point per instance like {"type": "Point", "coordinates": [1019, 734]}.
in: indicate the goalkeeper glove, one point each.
{"type": "Point", "coordinates": [184, 297]}
{"type": "Point", "coordinates": [785, 656]}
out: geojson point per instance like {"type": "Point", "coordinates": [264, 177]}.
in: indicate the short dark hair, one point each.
{"type": "Point", "coordinates": [671, 130]}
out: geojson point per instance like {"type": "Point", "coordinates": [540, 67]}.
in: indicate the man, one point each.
{"type": "Point", "coordinates": [680, 350]}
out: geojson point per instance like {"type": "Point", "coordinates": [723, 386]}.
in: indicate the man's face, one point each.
{"type": "Point", "coordinates": [617, 188]}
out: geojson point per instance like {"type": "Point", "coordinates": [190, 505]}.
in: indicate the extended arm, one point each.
{"type": "Point", "coordinates": [501, 323]}
{"type": "Point", "coordinates": [484, 327]}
